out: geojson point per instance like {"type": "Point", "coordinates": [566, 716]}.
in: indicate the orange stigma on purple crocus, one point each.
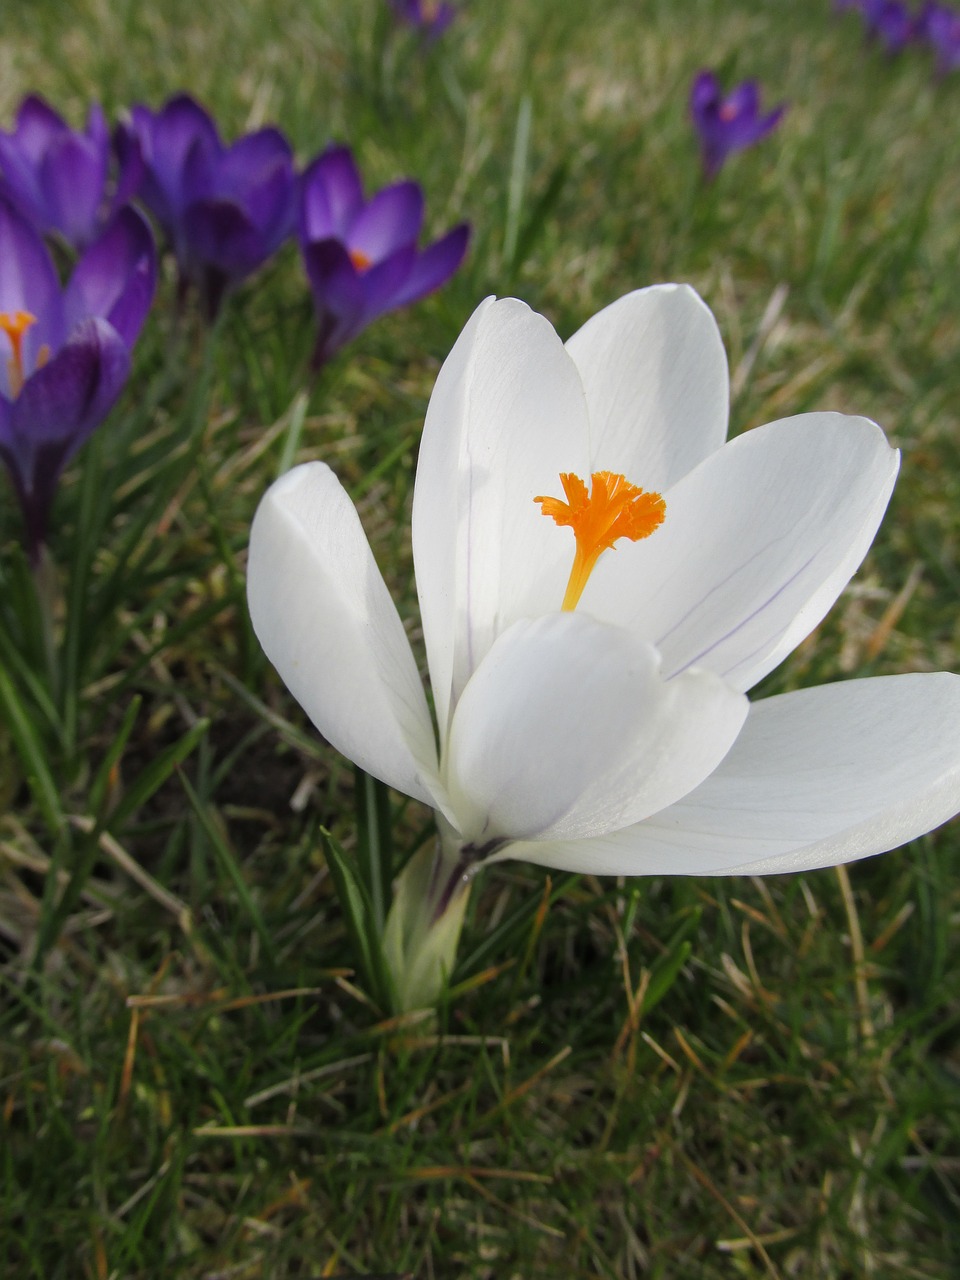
{"type": "Point", "coordinates": [15, 325]}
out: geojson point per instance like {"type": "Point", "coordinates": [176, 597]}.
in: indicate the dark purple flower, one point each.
{"type": "Point", "coordinates": [939, 25]}
{"type": "Point", "coordinates": [429, 16]}
{"type": "Point", "coordinates": [224, 210]}
{"type": "Point", "coordinates": [60, 178]}
{"type": "Point", "coordinates": [361, 256]}
{"type": "Point", "coordinates": [727, 124]}
{"type": "Point", "coordinates": [889, 23]}
{"type": "Point", "coordinates": [64, 354]}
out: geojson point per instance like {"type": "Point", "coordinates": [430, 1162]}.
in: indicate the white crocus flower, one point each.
{"type": "Point", "coordinates": [595, 719]}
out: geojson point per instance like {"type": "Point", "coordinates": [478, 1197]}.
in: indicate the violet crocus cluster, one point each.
{"type": "Point", "coordinates": [939, 26]}
{"type": "Point", "coordinates": [892, 25]}
{"type": "Point", "coordinates": [726, 123]}
{"type": "Point", "coordinates": [224, 210]}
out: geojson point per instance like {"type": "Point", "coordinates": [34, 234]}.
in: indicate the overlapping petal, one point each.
{"type": "Point", "coordinates": [116, 277]}
{"type": "Point", "coordinates": [324, 617]}
{"type": "Point", "coordinates": [567, 729]}
{"type": "Point", "coordinates": [817, 777]}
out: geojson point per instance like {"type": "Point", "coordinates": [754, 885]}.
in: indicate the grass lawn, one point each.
{"type": "Point", "coordinates": [638, 1078]}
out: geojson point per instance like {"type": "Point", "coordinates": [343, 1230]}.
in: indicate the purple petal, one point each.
{"type": "Point", "coordinates": [255, 176]}
{"type": "Point", "coordinates": [19, 183]}
{"type": "Point", "coordinates": [383, 282]}
{"type": "Point", "coordinates": [330, 195]}
{"type": "Point", "coordinates": [334, 280]}
{"type": "Point", "coordinates": [63, 402]}
{"type": "Point", "coordinates": [391, 219]}
{"type": "Point", "coordinates": [252, 154]}
{"type": "Point", "coordinates": [705, 93]}
{"type": "Point", "coordinates": [338, 296]}
{"type": "Point", "coordinates": [178, 126]}
{"type": "Point", "coordinates": [128, 150]}
{"type": "Point", "coordinates": [116, 277]}
{"type": "Point", "coordinates": [435, 266]}
{"type": "Point", "coordinates": [37, 126]}
{"type": "Point", "coordinates": [73, 176]}
{"type": "Point", "coordinates": [271, 204]}
{"type": "Point", "coordinates": [744, 100]}
{"type": "Point", "coordinates": [28, 282]}
{"type": "Point", "coordinates": [167, 140]}
{"type": "Point", "coordinates": [219, 233]}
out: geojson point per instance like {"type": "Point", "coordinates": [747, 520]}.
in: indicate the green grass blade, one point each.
{"type": "Point", "coordinates": [374, 843]}
{"type": "Point", "coordinates": [228, 863]}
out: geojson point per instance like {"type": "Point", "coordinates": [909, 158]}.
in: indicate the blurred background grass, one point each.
{"type": "Point", "coordinates": [641, 1079]}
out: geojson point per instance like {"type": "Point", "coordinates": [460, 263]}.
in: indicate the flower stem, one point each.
{"type": "Point", "coordinates": [48, 595]}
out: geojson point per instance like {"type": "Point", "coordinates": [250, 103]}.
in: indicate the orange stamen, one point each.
{"type": "Point", "coordinates": [15, 324]}
{"type": "Point", "coordinates": [360, 260]}
{"type": "Point", "coordinates": [613, 509]}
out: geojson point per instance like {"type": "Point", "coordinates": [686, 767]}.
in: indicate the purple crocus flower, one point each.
{"type": "Point", "coordinates": [64, 354]}
{"type": "Point", "coordinates": [939, 25]}
{"type": "Point", "coordinates": [889, 23]}
{"type": "Point", "coordinates": [361, 256]}
{"type": "Point", "coordinates": [727, 124]}
{"type": "Point", "coordinates": [224, 210]}
{"type": "Point", "coordinates": [428, 16]}
{"type": "Point", "coordinates": [60, 178]}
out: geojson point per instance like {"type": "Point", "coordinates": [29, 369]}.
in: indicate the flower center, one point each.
{"type": "Point", "coordinates": [613, 509]}
{"type": "Point", "coordinates": [361, 261]}
{"type": "Point", "coordinates": [15, 324]}
{"type": "Point", "coordinates": [728, 112]}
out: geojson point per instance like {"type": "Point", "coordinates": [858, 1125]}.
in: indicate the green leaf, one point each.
{"type": "Point", "coordinates": [228, 862]}
{"type": "Point", "coordinates": [365, 937]}
{"type": "Point", "coordinates": [99, 787]}
{"type": "Point", "coordinates": [156, 773]}
{"type": "Point", "coordinates": [374, 843]}
{"type": "Point", "coordinates": [30, 748]}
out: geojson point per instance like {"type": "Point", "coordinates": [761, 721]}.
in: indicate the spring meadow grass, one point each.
{"type": "Point", "coordinates": [651, 1078]}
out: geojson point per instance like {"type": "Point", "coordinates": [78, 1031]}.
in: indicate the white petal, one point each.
{"type": "Point", "coordinates": [507, 415]}
{"type": "Point", "coordinates": [566, 729]}
{"type": "Point", "coordinates": [325, 619]}
{"type": "Point", "coordinates": [816, 778]}
{"type": "Point", "coordinates": [655, 373]}
{"type": "Point", "coordinates": [757, 544]}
